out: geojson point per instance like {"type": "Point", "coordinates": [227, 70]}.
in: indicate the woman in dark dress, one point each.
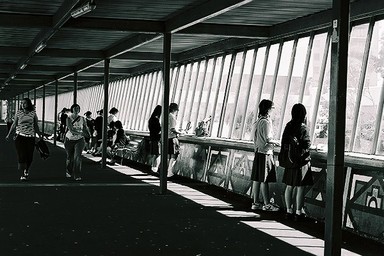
{"type": "Point", "coordinates": [155, 137]}
{"type": "Point", "coordinates": [297, 177]}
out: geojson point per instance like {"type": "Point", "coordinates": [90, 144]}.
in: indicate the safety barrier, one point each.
{"type": "Point", "coordinates": [228, 164]}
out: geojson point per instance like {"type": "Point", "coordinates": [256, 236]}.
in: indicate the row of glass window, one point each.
{"type": "Point", "coordinates": [229, 87]}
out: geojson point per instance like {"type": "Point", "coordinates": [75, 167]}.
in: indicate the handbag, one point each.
{"type": "Point", "coordinates": [66, 130]}
{"type": "Point", "coordinates": [42, 148]}
{"type": "Point", "coordinates": [86, 133]}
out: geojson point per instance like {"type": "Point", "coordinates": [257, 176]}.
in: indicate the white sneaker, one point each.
{"type": "Point", "coordinates": [67, 175]}
{"type": "Point", "coordinates": [270, 208]}
{"type": "Point", "coordinates": [23, 178]}
{"type": "Point", "coordinates": [256, 206]}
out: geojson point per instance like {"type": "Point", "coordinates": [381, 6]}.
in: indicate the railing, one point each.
{"type": "Point", "coordinates": [228, 164]}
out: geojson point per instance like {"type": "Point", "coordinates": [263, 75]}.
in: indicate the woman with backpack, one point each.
{"type": "Point", "coordinates": [263, 169]}
{"type": "Point", "coordinates": [298, 175]}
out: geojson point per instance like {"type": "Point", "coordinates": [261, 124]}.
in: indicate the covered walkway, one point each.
{"type": "Point", "coordinates": [118, 211]}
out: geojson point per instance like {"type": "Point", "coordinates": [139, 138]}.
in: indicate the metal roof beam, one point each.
{"type": "Point", "coordinates": [6, 51]}
{"type": "Point", "coordinates": [116, 25]}
{"type": "Point", "coordinates": [72, 53]}
{"type": "Point", "coordinates": [358, 10]}
{"type": "Point", "coordinates": [130, 44]}
{"type": "Point", "coordinates": [143, 56]}
{"type": "Point", "coordinates": [242, 31]}
{"type": "Point", "coordinates": [25, 21]}
{"type": "Point", "coordinates": [201, 13]}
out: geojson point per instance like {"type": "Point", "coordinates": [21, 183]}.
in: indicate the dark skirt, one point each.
{"type": "Point", "coordinates": [263, 169]}
{"type": "Point", "coordinates": [298, 177]}
{"type": "Point", "coordinates": [154, 147]}
{"type": "Point", "coordinates": [174, 146]}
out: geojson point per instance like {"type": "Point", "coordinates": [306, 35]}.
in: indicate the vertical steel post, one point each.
{"type": "Point", "coordinates": [55, 114]}
{"type": "Point", "coordinates": [105, 113]}
{"type": "Point", "coordinates": [165, 115]}
{"type": "Point", "coordinates": [75, 87]}
{"type": "Point", "coordinates": [336, 139]}
{"type": "Point", "coordinates": [43, 113]}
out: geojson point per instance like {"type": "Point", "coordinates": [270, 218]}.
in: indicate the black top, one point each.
{"type": "Point", "coordinates": [121, 139]}
{"type": "Point", "coordinates": [99, 124]}
{"type": "Point", "coordinates": [301, 132]}
{"type": "Point", "coordinates": [154, 128]}
{"type": "Point", "coordinates": [91, 125]}
{"type": "Point", "coordinates": [63, 118]}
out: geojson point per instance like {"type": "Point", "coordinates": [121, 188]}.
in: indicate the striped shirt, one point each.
{"type": "Point", "coordinates": [25, 124]}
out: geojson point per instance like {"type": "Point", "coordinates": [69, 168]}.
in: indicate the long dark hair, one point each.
{"type": "Point", "coordinates": [299, 113]}
{"type": "Point", "coordinates": [264, 107]}
{"type": "Point", "coordinates": [156, 111]}
{"type": "Point", "coordinates": [29, 104]}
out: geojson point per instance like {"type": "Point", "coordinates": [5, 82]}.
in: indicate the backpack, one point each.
{"type": "Point", "coordinates": [290, 152]}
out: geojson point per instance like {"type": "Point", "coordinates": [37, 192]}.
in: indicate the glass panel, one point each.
{"type": "Point", "coordinates": [232, 97]}
{"type": "Point", "coordinates": [296, 80]}
{"type": "Point", "coordinates": [190, 106]}
{"type": "Point", "coordinates": [252, 104]}
{"type": "Point", "coordinates": [144, 102]}
{"type": "Point", "coordinates": [281, 86]}
{"type": "Point", "coordinates": [355, 56]}
{"type": "Point", "coordinates": [184, 94]}
{"type": "Point", "coordinates": [221, 78]}
{"type": "Point", "coordinates": [321, 116]}
{"type": "Point", "coordinates": [180, 82]}
{"type": "Point", "coordinates": [372, 91]}
{"type": "Point", "coordinates": [244, 96]}
{"type": "Point", "coordinates": [197, 103]}
{"type": "Point", "coordinates": [267, 86]}
{"type": "Point", "coordinates": [139, 102]}
{"type": "Point", "coordinates": [207, 90]}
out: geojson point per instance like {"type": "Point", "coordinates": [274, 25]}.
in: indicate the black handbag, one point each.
{"type": "Point", "coordinates": [42, 148]}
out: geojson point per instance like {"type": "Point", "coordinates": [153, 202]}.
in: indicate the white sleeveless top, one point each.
{"type": "Point", "coordinates": [77, 126]}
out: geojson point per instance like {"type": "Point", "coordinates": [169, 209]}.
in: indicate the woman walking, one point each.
{"type": "Point", "coordinates": [74, 142]}
{"type": "Point", "coordinates": [26, 128]}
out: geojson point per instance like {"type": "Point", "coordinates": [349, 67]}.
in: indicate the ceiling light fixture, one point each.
{"type": "Point", "coordinates": [90, 6]}
{"type": "Point", "coordinates": [23, 66]}
{"type": "Point", "coordinates": [40, 47]}
{"type": "Point", "coordinates": [13, 77]}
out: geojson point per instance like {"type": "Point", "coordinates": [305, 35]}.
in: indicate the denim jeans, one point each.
{"type": "Point", "coordinates": [74, 148]}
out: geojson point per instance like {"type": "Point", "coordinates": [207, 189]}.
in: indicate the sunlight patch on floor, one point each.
{"type": "Point", "coordinates": [292, 236]}
{"type": "Point", "coordinates": [275, 229]}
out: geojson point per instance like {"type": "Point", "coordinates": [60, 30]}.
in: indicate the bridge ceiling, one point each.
{"type": "Point", "coordinates": [130, 33]}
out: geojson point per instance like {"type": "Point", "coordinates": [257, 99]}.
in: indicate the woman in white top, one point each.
{"type": "Point", "coordinates": [26, 128]}
{"type": "Point", "coordinates": [263, 169]}
{"type": "Point", "coordinates": [74, 142]}
{"type": "Point", "coordinates": [112, 115]}
{"type": "Point", "coordinates": [173, 141]}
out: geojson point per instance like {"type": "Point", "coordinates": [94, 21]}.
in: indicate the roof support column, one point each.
{"type": "Point", "coordinates": [336, 139]}
{"type": "Point", "coordinates": [55, 112]}
{"type": "Point", "coordinates": [43, 113]}
{"type": "Point", "coordinates": [34, 97]}
{"type": "Point", "coordinates": [75, 87]}
{"type": "Point", "coordinates": [165, 115]}
{"type": "Point", "coordinates": [105, 113]}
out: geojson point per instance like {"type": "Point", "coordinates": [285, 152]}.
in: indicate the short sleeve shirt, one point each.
{"type": "Point", "coordinates": [25, 123]}
{"type": "Point", "coordinates": [172, 123]}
